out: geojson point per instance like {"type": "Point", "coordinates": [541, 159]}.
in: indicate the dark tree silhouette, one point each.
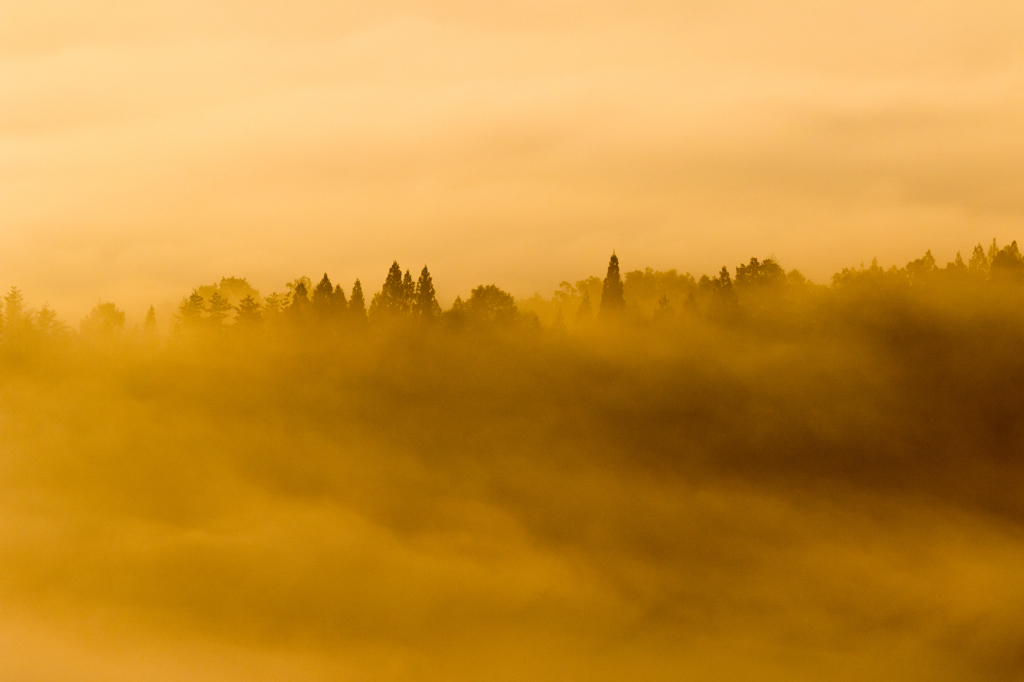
{"type": "Point", "coordinates": [339, 303]}
{"type": "Point", "coordinates": [612, 299]}
{"type": "Point", "coordinates": [357, 305]}
{"type": "Point", "coordinates": [393, 298]}
{"type": "Point", "coordinates": [149, 326]}
{"type": "Point", "coordinates": [425, 301]}
{"type": "Point", "coordinates": [191, 313]}
{"type": "Point", "coordinates": [490, 305]}
{"type": "Point", "coordinates": [219, 309]}
{"type": "Point", "coordinates": [249, 312]}
{"type": "Point", "coordinates": [299, 307]}
{"type": "Point", "coordinates": [1008, 262]}
{"type": "Point", "coordinates": [323, 299]}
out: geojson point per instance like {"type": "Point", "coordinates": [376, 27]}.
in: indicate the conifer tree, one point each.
{"type": "Point", "coordinates": [190, 312]}
{"type": "Point", "coordinates": [300, 302]}
{"type": "Point", "coordinates": [408, 292]}
{"type": "Point", "coordinates": [249, 312]}
{"type": "Point", "coordinates": [612, 300]}
{"type": "Point", "coordinates": [339, 303]}
{"type": "Point", "coordinates": [357, 305]}
{"type": "Point", "coordinates": [392, 299]}
{"type": "Point", "coordinates": [425, 302]}
{"type": "Point", "coordinates": [219, 309]}
{"type": "Point", "coordinates": [979, 261]}
{"type": "Point", "coordinates": [323, 298]}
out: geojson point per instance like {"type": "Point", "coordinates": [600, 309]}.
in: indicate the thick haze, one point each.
{"type": "Point", "coordinates": [147, 147]}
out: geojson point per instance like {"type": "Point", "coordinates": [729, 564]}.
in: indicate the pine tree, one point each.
{"type": "Point", "coordinates": [392, 298]}
{"type": "Point", "coordinates": [249, 312]}
{"type": "Point", "coordinates": [979, 261]}
{"type": "Point", "coordinates": [357, 305]}
{"type": "Point", "coordinates": [612, 301]}
{"type": "Point", "coordinates": [191, 312]}
{"type": "Point", "coordinates": [323, 299]}
{"type": "Point", "coordinates": [425, 302]}
{"type": "Point", "coordinates": [219, 309]}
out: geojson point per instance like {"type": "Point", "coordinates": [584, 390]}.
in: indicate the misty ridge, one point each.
{"type": "Point", "coordinates": [646, 472]}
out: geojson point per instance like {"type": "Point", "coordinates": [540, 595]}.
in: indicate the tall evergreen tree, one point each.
{"type": "Point", "coordinates": [339, 303]}
{"type": "Point", "coordinates": [408, 292]}
{"type": "Point", "coordinates": [323, 299]}
{"type": "Point", "coordinates": [425, 302]}
{"type": "Point", "coordinates": [612, 300]}
{"type": "Point", "coordinates": [299, 306]}
{"type": "Point", "coordinates": [357, 305]}
{"type": "Point", "coordinates": [392, 299]}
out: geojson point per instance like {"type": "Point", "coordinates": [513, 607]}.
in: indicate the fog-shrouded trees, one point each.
{"type": "Point", "coordinates": [357, 306]}
{"type": "Point", "coordinates": [425, 303]}
{"type": "Point", "coordinates": [613, 302]}
{"type": "Point", "coordinates": [104, 320]}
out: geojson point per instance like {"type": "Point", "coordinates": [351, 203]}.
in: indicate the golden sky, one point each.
{"type": "Point", "coordinates": [148, 146]}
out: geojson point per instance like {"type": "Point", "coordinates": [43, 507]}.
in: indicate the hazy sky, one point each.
{"type": "Point", "coordinates": [149, 146]}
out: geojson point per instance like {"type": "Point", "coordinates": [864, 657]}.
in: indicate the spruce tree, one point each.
{"type": "Point", "coordinates": [357, 305]}
{"type": "Point", "coordinates": [323, 299]}
{"type": "Point", "coordinates": [425, 302]}
{"type": "Point", "coordinates": [612, 301]}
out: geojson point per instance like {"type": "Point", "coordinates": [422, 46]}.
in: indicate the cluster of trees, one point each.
{"type": "Point", "coordinates": [755, 287]}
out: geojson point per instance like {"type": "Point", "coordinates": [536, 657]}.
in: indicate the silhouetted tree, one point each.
{"type": "Point", "coordinates": [357, 305]}
{"type": "Point", "coordinates": [191, 313]}
{"type": "Point", "coordinates": [612, 300]}
{"type": "Point", "coordinates": [408, 292]}
{"type": "Point", "coordinates": [249, 313]}
{"type": "Point", "coordinates": [1008, 263]}
{"type": "Point", "coordinates": [393, 298]}
{"type": "Point", "coordinates": [218, 310]}
{"type": "Point", "coordinates": [766, 273]}
{"type": "Point", "coordinates": [323, 299]}
{"type": "Point", "coordinates": [339, 303]}
{"type": "Point", "coordinates": [298, 309]}
{"type": "Point", "coordinates": [979, 261]}
{"type": "Point", "coordinates": [149, 325]}
{"type": "Point", "coordinates": [487, 306]}
{"type": "Point", "coordinates": [425, 301]}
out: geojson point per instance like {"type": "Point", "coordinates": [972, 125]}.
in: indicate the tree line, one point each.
{"type": "Point", "coordinates": [752, 289]}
